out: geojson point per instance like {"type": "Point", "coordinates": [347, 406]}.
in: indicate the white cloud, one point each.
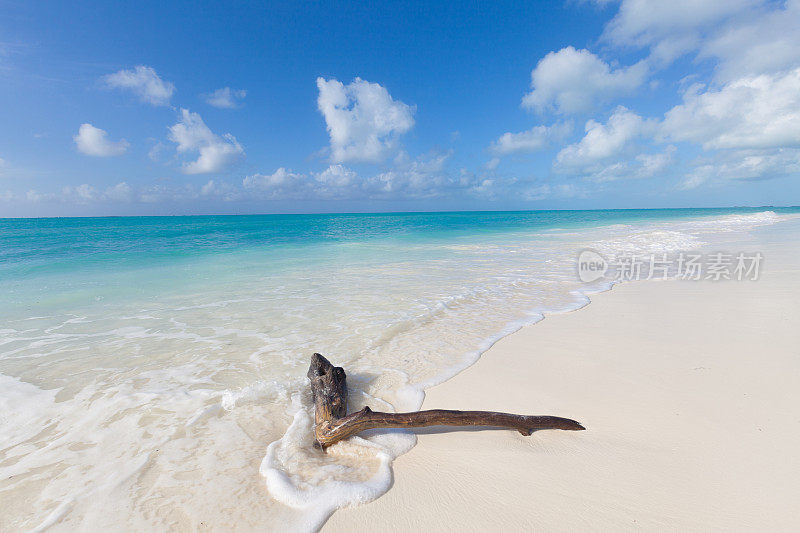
{"type": "Point", "coordinates": [420, 177]}
{"type": "Point", "coordinates": [337, 176]}
{"type": "Point", "coordinates": [226, 98]}
{"type": "Point", "coordinates": [85, 191]}
{"type": "Point", "coordinates": [751, 112]}
{"type": "Point", "coordinates": [575, 81]}
{"type": "Point", "coordinates": [221, 190]}
{"type": "Point", "coordinates": [766, 42]}
{"type": "Point", "coordinates": [745, 165]}
{"type": "Point", "coordinates": [94, 142]}
{"type": "Point", "coordinates": [748, 117]}
{"type": "Point", "coordinates": [613, 151]}
{"type": "Point", "coordinates": [154, 154]}
{"type": "Point", "coordinates": [363, 120]}
{"type": "Point", "coordinates": [545, 190]}
{"type": "Point", "coordinates": [164, 192]}
{"type": "Point", "coordinates": [208, 189]}
{"type": "Point", "coordinates": [144, 83]}
{"type": "Point", "coordinates": [532, 140]}
{"type": "Point", "coordinates": [745, 37]}
{"type": "Point", "coordinates": [336, 181]}
{"type": "Point", "coordinates": [215, 152]}
{"type": "Point", "coordinates": [492, 187]}
{"type": "Point", "coordinates": [280, 184]}
{"type": "Point", "coordinates": [670, 29]}
{"type": "Point", "coordinates": [640, 167]}
{"type": "Point", "coordinates": [603, 141]}
{"type": "Point", "coordinates": [80, 194]}
{"type": "Point", "coordinates": [121, 192]}
{"type": "Point", "coordinates": [169, 192]}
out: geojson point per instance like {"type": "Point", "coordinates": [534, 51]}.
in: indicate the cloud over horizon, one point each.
{"type": "Point", "coordinates": [215, 153]}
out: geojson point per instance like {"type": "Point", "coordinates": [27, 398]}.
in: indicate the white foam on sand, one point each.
{"type": "Point", "coordinates": [25, 410]}
{"type": "Point", "coordinates": [350, 472]}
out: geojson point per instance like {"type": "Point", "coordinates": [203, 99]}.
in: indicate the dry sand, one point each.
{"type": "Point", "coordinates": [691, 395]}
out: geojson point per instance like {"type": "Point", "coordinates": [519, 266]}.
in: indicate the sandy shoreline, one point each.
{"type": "Point", "coordinates": [690, 394]}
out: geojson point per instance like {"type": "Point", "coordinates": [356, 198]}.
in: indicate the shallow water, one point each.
{"type": "Point", "coordinates": [153, 369]}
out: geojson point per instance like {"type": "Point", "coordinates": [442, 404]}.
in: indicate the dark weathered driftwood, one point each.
{"type": "Point", "coordinates": [332, 423]}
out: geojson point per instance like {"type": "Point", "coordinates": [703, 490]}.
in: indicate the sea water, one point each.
{"type": "Point", "coordinates": [152, 369]}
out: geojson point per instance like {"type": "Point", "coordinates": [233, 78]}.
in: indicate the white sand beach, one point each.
{"type": "Point", "coordinates": [690, 393]}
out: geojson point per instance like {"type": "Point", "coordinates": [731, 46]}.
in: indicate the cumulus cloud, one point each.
{"type": "Point", "coordinates": [421, 177]}
{"type": "Point", "coordinates": [337, 176]}
{"type": "Point", "coordinates": [215, 153]}
{"type": "Point", "coordinates": [226, 98]}
{"type": "Point", "coordinates": [576, 81]}
{"type": "Point", "coordinates": [94, 142]}
{"type": "Point", "coordinates": [603, 141]}
{"type": "Point", "coordinates": [282, 183]}
{"type": "Point", "coordinates": [614, 150]}
{"type": "Point", "coordinates": [751, 112]}
{"type": "Point", "coordinates": [144, 83]}
{"type": "Point", "coordinates": [362, 118]}
{"type": "Point", "coordinates": [532, 140]}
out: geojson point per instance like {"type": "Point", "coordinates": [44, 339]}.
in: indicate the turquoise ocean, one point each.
{"type": "Point", "coordinates": [153, 368]}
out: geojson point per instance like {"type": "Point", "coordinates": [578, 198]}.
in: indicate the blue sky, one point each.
{"type": "Point", "coordinates": [182, 108]}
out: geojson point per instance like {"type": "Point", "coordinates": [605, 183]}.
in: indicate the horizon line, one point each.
{"type": "Point", "coordinates": [344, 213]}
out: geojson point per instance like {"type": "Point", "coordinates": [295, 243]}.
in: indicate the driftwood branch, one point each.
{"type": "Point", "coordinates": [332, 423]}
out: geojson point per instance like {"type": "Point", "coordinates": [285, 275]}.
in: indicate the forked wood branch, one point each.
{"type": "Point", "coordinates": [332, 423]}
